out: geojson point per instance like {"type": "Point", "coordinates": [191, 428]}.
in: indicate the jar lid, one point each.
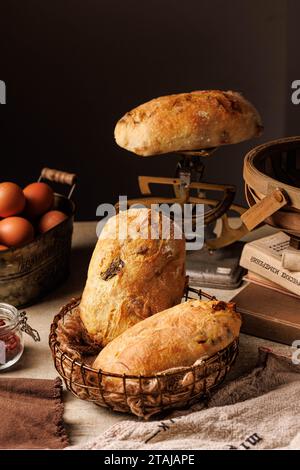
{"type": "Point", "coordinates": [9, 318]}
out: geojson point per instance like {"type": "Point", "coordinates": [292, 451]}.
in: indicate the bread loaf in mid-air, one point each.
{"type": "Point", "coordinates": [188, 121]}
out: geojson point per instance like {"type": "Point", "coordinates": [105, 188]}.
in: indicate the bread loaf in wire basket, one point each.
{"type": "Point", "coordinates": [193, 358]}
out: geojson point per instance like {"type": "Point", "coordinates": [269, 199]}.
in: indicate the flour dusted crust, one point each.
{"type": "Point", "coordinates": [188, 121]}
{"type": "Point", "coordinates": [133, 278]}
{"type": "Point", "coordinates": [176, 337]}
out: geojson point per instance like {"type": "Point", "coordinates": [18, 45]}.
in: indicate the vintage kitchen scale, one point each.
{"type": "Point", "coordinates": [219, 259]}
{"type": "Point", "coordinates": [272, 186]}
{"type": "Point", "coordinates": [165, 125]}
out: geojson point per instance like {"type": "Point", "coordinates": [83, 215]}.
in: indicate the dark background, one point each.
{"type": "Point", "coordinates": [73, 68]}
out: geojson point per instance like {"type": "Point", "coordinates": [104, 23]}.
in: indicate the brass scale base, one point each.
{"type": "Point", "coordinates": [189, 189]}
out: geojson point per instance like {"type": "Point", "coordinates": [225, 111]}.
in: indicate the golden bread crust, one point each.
{"type": "Point", "coordinates": [131, 279]}
{"type": "Point", "coordinates": [188, 121]}
{"type": "Point", "coordinates": [176, 337]}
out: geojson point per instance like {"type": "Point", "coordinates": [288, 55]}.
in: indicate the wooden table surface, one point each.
{"type": "Point", "coordinates": [85, 420]}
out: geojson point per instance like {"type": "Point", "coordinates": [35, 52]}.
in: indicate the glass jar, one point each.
{"type": "Point", "coordinates": [12, 325]}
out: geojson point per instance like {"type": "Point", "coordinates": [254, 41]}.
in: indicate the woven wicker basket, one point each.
{"type": "Point", "coordinates": [274, 166]}
{"type": "Point", "coordinates": [141, 395]}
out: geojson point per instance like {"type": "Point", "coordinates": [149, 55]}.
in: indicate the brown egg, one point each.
{"type": "Point", "coordinates": [12, 199]}
{"type": "Point", "coordinates": [15, 231]}
{"type": "Point", "coordinates": [3, 247]}
{"type": "Point", "coordinates": [50, 219]}
{"type": "Point", "coordinates": [39, 199]}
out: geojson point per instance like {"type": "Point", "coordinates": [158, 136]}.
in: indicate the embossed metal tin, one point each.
{"type": "Point", "coordinates": [29, 272]}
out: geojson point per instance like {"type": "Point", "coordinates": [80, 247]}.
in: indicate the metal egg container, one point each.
{"type": "Point", "coordinates": [29, 272]}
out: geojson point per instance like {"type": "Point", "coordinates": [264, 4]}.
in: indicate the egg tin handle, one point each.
{"type": "Point", "coordinates": [61, 177]}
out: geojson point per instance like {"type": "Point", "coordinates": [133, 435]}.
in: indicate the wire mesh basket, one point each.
{"type": "Point", "coordinates": [142, 395]}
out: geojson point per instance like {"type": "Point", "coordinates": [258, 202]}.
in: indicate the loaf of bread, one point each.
{"type": "Point", "coordinates": [131, 278]}
{"type": "Point", "coordinates": [176, 337]}
{"type": "Point", "coordinates": [188, 121]}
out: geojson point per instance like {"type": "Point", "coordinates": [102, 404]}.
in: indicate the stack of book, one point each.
{"type": "Point", "coordinates": [270, 303]}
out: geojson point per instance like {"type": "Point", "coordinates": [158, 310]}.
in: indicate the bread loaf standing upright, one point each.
{"type": "Point", "coordinates": [130, 279]}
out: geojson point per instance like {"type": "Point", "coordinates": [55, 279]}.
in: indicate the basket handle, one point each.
{"type": "Point", "coordinates": [61, 177]}
{"type": "Point", "coordinates": [263, 209]}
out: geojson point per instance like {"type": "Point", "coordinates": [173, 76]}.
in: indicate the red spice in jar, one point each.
{"type": "Point", "coordinates": [12, 343]}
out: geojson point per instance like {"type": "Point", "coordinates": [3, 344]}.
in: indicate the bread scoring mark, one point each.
{"type": "Point", "coordinates": [228, 103]}
{"type": "Point", "coordinates": [221, 103]}
{"type": "Point", "coordinates": [235, 105]}
{"type": "Point", "coordinates": [176, 102]}
{"type": "Point", "coordinates": [138, 115]}
{"type": "Point", "coordinates": [114, 268]}
{"type": "Point", "coordinates": [220, 305]}
{"type": "Point", "coordinates": [201, 341]}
